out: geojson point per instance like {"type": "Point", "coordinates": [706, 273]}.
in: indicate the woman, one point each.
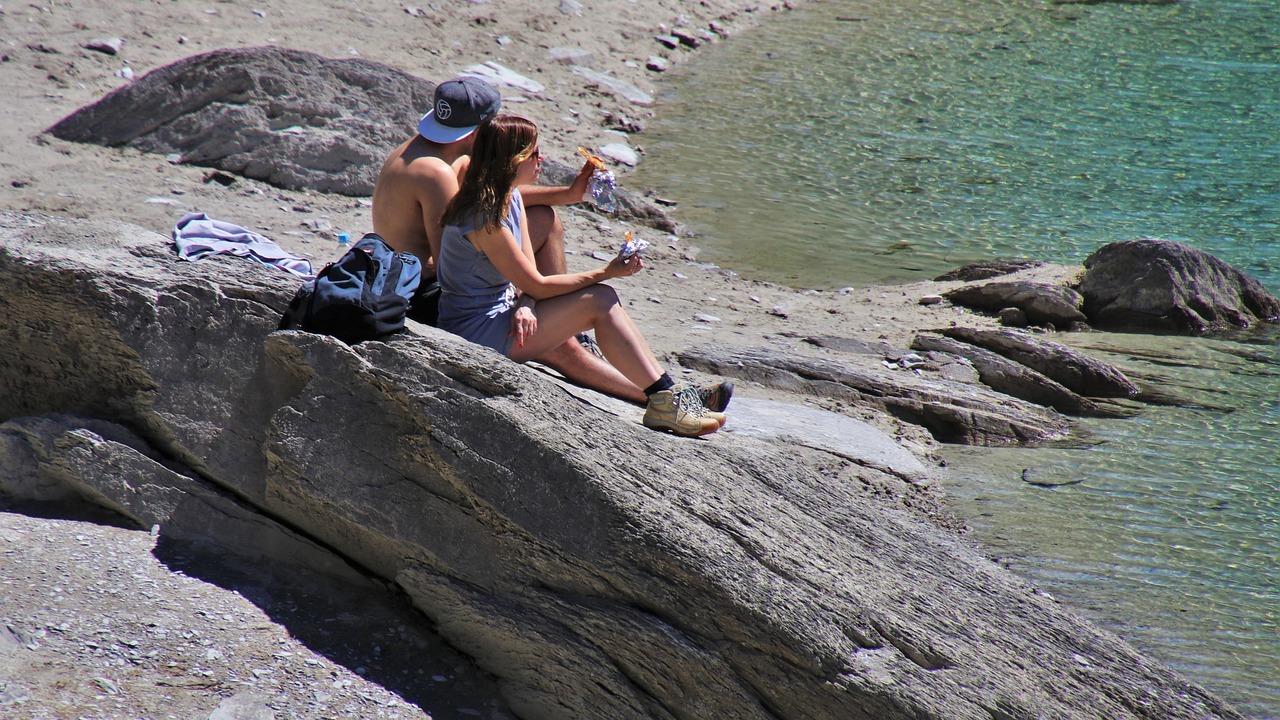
{"type": "Point", "coordinates": [493, 294]}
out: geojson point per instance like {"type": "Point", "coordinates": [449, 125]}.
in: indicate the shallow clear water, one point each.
{"type": "Point", "coordinates": [900, 147]}
{"type": "Point", "coordinates": [851, 143]}
{"type": "Point", "coordinates": [1170, 534]}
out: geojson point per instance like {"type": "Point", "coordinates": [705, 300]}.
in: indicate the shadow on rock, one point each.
{"type": "Point", "coordinates": [374, 633]}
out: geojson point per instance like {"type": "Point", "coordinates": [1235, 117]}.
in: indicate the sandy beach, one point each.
{"type": "Point", "coordinates": [48, 73]}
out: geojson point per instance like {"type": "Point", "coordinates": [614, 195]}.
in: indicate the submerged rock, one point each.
{"type": "Point", "coordinates": [1012, 378]}
{"type": "Point", "coordinates": [989, 269]}
{"type": "Point", "coordinates": [1076, 371]}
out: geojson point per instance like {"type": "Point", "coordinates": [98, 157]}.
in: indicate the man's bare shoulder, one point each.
{"type": "Point", "coordinates": [429, 166]}
{"type": "Point", "coordinates": [411, 161]}
{"type": "Point", "coordinates": [405, 163]}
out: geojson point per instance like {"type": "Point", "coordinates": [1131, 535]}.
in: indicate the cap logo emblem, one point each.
{"type": "Point", "coordinates": [443, 111]}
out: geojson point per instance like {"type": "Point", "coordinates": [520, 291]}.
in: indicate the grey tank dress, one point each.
{"type": "Point", "coordinates": [476, 301]}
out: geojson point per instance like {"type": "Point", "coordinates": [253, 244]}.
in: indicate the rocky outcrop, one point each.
{"type": "Point", "coordinates": [1042, 303]}
{"type": "Point", "coordinates": [1012, 378]}
{"type": "Point", "coordinates": [596, 568]}
{"type": "Point", "coordinates": [287, 117]}
{"type": "Point", "coordinates": [1162, 285]}
{"type": "Point", "coordinates": [1074, 370]}
{"type": "Point", "coordinates": [952, 412]}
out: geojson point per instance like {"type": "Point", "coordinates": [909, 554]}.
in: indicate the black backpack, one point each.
{"type": "Point", "coordinates": [362, 295]}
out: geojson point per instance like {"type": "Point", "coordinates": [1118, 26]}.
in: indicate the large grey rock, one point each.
{"type": "Point", "coordinates": [1076, 371]}
{"type": "Point", "coordinates": [953, 412]}
{"type": "Point", "coordinates": [828, 431]}
{"type": "Point", "coordinates": [598, 569]}
{"type": "Point", "coordinates": [58, 458]}
{"type": "Point", "coordinates": [1151, 284]}
{"type": "Point", "coordinates": [287, 117]}
{"type": "Point", "coordinates": [1012, 378]}
{"type": "Point", "coordinates": [1043, 303]}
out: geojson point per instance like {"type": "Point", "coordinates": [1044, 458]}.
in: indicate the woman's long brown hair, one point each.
{"type": "Point", "coordinates": [502, 143]}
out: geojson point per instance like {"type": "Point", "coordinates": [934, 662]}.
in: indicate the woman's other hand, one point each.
{"type": "Point", "coordinates": [523, 324]}
{"type": "Point", "coordinates": [624, 267]}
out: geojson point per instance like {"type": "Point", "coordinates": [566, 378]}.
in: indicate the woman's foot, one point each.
{"type": "Point", "coordinates": [680, 411]}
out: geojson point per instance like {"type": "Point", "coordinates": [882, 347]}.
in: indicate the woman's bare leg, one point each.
{"type": "Point", "coordinates": [570, 358]}
{"type": "Point", "coordinates": [595, 307]}
{"type": "Point", "coordinates": [621, 342]}
{"type": "Point", "coordinates": [582, 367]}
{"type": "Point", "coordinates": [546, 232]}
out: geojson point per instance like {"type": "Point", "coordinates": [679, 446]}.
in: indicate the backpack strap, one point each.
{"type": "Point", "coordinates": [292, 318]}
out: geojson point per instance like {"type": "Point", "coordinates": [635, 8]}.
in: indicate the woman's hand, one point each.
{"type": "Point", "coordinates": [523, 322]}
{"type": "Point", "coordinates": [624, 267]}
{"type": "Point", "coordinates": [578, 189]}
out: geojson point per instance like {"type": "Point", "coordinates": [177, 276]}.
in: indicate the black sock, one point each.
{"type": "Point", "coordinates": [663, 383]}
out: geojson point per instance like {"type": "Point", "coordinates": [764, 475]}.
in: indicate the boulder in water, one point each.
{"type": "Point", "coordinates": [1162, 285]}
{"type": "Point", "coordinates": [1074, 370]}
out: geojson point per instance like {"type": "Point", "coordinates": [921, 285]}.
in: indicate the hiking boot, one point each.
{"type": "Point", "coordinates": [716, 397]}
{"type": "Point", "coordinates": [678, 410]}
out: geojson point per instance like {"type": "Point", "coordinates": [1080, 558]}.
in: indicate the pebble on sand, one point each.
{"type": "Point", "coordinates": [109, 46]}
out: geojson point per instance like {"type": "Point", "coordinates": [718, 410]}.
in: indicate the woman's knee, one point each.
{"type": "Point", "coordinates": [605, 297]}
{"type": "Point", "coordinates": [544, 222]}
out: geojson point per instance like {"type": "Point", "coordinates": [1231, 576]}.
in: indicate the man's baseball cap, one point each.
{"type": "Point", "coordinates": [460, 105]}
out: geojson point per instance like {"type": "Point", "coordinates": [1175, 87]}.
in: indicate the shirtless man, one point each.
{"type": "Point", "coordinates": [422, 175]}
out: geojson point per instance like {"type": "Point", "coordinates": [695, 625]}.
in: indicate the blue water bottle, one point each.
{"type": "Point", "coordinates": [344, 241]}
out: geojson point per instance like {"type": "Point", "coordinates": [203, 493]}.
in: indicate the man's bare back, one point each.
{"type": "Point", "coordinates": [414, 186]}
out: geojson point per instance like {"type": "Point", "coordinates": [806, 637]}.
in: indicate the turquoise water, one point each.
{"type": "Point", "coordinates": [1172, 535]}
{"type": "Point", "coordinates": [851, 143]}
